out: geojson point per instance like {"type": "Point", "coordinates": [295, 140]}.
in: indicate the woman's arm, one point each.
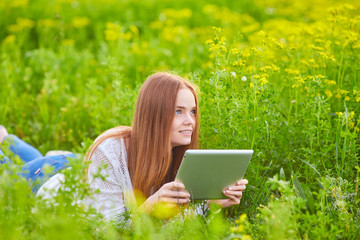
{"type": "Point", "coordinates": [108, 178]}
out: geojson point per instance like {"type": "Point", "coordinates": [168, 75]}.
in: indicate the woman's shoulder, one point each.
{"type": "Point", "coordinates": [112, 143]}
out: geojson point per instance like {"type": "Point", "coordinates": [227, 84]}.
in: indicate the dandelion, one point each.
{"type": "Point", "coordinates": [339, 114]}
{"type": "Point", "coordinates": [233, 74]}
{"type": "Point", "coordinates": [243, 78]}
{"type": "Point", "coordinates": [252, 85]}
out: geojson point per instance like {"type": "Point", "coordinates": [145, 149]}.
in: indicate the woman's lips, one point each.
{"type": "Point", "coordinates": [186, 132]}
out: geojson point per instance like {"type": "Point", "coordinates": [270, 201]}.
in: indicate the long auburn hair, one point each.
{"type": "Point", "coordinates": [151, 160]}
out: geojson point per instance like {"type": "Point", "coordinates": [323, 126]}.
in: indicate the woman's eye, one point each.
{"type": "Point", "coordinates": [178, 112]}
{"type": "Point", "coordinates": [193, 112]}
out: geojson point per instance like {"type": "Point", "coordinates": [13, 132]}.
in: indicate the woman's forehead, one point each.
{"type": "Point", "coordinates": [185, 98]}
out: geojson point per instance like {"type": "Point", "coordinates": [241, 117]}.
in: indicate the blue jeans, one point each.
{"type": "Point", "coordinates": [34, 161]}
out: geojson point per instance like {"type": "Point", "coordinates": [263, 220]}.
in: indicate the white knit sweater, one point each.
{"type": "Point", "coordinates": [113, 191]}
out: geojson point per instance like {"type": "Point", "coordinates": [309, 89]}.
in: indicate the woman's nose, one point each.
{"type": "Point", "coordinates": [189, 120]}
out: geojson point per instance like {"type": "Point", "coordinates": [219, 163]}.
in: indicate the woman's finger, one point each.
{"type": "Point", "coordinates": [174, 194]}
{"type": "Point", "coordinates": [236, 188]}
{"type": "Point", "coordinates": [233, 198]}
{"type": "Point", "coordinates": [174, 200]}
{"type": "Point", "coordinates": [242, 182]}
{"type": "Point", "coordinates": [237, 194]}
{"type": "Point", "coordinates": [174, 185]}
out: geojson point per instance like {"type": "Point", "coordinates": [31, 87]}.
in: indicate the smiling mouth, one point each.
{"type": "Point", "coordinates": [186, 132]}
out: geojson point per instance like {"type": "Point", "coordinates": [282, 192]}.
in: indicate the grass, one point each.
{"type": "Point", "coordinates": [278, 77]}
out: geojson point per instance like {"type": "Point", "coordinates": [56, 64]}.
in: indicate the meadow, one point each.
{"type": "Point", "coordinates": [279, 77]}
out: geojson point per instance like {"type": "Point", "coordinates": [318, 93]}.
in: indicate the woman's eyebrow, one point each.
{"type": "Point", "coordinates": [182, 107]}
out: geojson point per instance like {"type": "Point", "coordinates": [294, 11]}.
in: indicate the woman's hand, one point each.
{"type": "Point", "coordinates": [234, 194]}
{"type": "Point", "coordinates": [173, 193]}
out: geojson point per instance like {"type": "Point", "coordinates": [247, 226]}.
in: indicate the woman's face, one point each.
{"type": "Point", "coordinates": [184, 120]}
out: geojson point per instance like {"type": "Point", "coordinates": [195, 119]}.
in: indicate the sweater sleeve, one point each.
{"type": "Point", "coordinates": [109, 178]}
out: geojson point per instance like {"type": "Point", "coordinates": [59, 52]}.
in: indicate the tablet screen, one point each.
{"type": "Point", "coordinates": [205, 173]}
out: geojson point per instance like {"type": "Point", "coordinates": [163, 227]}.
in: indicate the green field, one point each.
{"type": "Point", "coordinates": [280, 77]}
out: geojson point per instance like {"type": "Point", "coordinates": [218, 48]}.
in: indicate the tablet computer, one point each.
{"type": "Point", "coordinates": [205, 173]}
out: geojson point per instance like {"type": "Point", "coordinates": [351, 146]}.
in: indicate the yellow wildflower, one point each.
{"type": "Point", "coordinates": [177, 14]}
{"type": "Point", "coordinates": [328, 93]}
{"type": "Point", "coordinates": [48, 23]}
{"type": "Point", "coordinates": [234, 51]}
{"type": "Point", "coordinates": [343, 92]}
{"type": "Point", "coordinates": [14, 28]}
{"type": "Point", "coordinates": [68, 42]}
{"type": "Point", "coordinates": [25, 23]}
{"type": "Point", "coordinates": [347, 98]}
{"type": "Point", "coordinates": [134, 29]}
{"type": "Point", "coordinates": [239, 63]}
{"type": "Point", "coordinates": [243, 217]}
{"type": "Point", "coordinates": [240, 228]}
{"type": "Point", "coordinates": [246, 237]}
{"type": "Point", "coordinates": [156, 25]}
{"type": "Point", "coordinates": [217, 29]}
{"type": "Point", "coordinates": [19, 3]}
{"type": "Point", "coordinates": [112, 31]}
{"type": "Point", "coordinates": [352, 114]}
{"type": "Point", "coordinates": [252, 85]}
{"type": "Point", "coordinates": [263, 81]}
{"type": "Point", "coordinates": [80, 22]}
{"type": "Point", "coordinates": [330, 82]}
{"type": "Point", "coordinates": [9, 39]}
{"type": "Point", "coordinates": [339, 114]}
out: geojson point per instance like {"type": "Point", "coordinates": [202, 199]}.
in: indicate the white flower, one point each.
{"type": "Point", "coordinates": [243, 78]}
{"type": "Point", "coordinates": [233, 74]}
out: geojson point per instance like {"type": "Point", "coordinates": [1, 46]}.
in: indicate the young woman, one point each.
{"type": "Point", "coordinates": [145, 157]}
